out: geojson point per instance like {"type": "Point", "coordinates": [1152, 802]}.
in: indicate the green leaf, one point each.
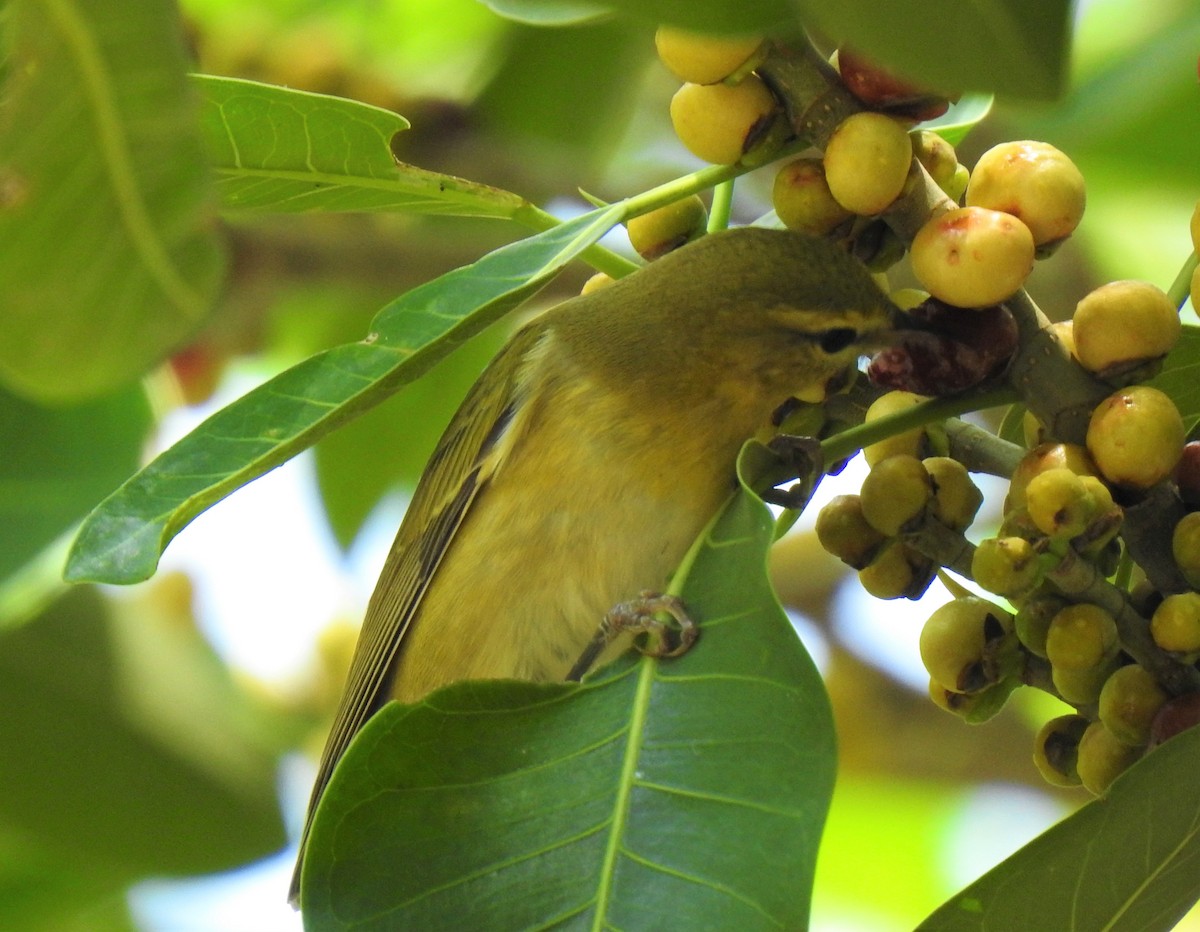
{"type": "Point", "coordinates": [962, 117]}
{"type": "Point", "coordinates": [121, 746]}
{"type": "Point", "coordinates": [1130, 860]}
{"type": "Point", "coordinates": [1178, 377]}
{"type": "Point", "coordinates": [278, 149]}
{"type": "Point", "coordinates": [122, 539]}
{"type": "Point", "coordinates": [58, 463]}
{"type": "Point", "coordinates": [110, 255]}
{"type": "Point", "coordinates": [1016, 47]}
{"type": "Point", "coordinates": [547, 12]}
{"type": "Point", "coordinates": [746, 16]}
{"type": "Point", "coordinates": [687, 794]}
{"type": "Point", "coordinates": [1012, 428]}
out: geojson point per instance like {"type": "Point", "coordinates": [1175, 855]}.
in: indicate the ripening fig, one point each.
{"type": "Point", "coordinates": [1175, 625]}
{"type": "Point", "coordinates": [867, 161]}
{"type": "Point", "coordinates": [1102, 758]}
{"type": "Point", "coordinates": [1124, 323]}
{"type": "Point", "coordinates": [1056, 749]}
{"type": "Point", "coordinates": [802, 199]}
{"type": "Point", "coordinates": [845, 533]}
{"type": "Point", "coordinates": [1136, 437]}
{"type": "Point", "coordinates": [936, 155]}
{"type": "Point", "coordinates": [967, 645]}
{"type": "Point", "coordinates": [1032, 181]}
{"type": "Point", "coordinates": [1129, 700]}
{"type": "Point", "coordinates": [1041, 458]}
{"type": "Point", "coordinates": [956, 499]}
{"type": "Point", "coordinates": [723, 124]}
{"type": "Point", "coordinates": [897, 572]}
{"type": "Point", "coordinates": [596, 282]}
{"type": "Point", "coordinates": [660, 231]}
{"type": "Point", "coordinates": [1032, 622]}
{"type": "Point", "coordinates": [895, 493]}
{"type": "Point", "coordinates": [913, 442]}
{"type": "Point", "coordinates": [1006, 566]}
{"type": "Point", "coordinates": [1185, 547]}
{"type": "Point", "coordinates": [1059, 503]}
{"type": "Point", "coordinates": [1187, 474]}
{"type": "Point", "coordinates": [1081, 687]}
{"type": "Point", "coordinates": [881, 89]}
{"type": "Point", "coordinates": [1081, 637]}
{"type": "Point", "coordinates": [1175, 716]}
{"type": "Point", "coordinates": [972, 256]}
{"type": "Point", "coordinates": [703, 58]}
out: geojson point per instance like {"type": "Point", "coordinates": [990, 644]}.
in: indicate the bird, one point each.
{"type": "Point", "coordinates": [587, 457]}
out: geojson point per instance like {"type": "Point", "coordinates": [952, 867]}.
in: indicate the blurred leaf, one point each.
{"type": "Point", "coordinates": [1017, 47]}
{"type": "Point", "coordinates": [58, 463]}
{"type": "Point", "coordinates": [526, 100]}
{"type": "Point", "coordinates": [746, 16]}
{"type": "Point", "coordinates": [1012, 428]}
{"type": "Point", "coordinates": [546, 12]}
{"type": "Point", "coordinates": [962, 117]}
{"type": "Point", "coordinates": [1179, 376]}
{"type": "Point", "coordinates": [688, 793]}
{"type": "Point", "coordinates": [389, 445]}
{"type": "Point", "coordinates": [1129, 860]}
{"type": "Point", "coordinates": [110, 256]}
{"type": "Point", "coordinates": [280, 149]}
{"type": "Point", "coordinates": [89, 771]}
{"type": "Point", "coordinates": [122, 539]}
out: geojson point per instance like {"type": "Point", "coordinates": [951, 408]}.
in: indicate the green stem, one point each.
{"type": "Point", "coordinates": [722, 203]}
{"type": "Point", "coordinates": [848, 442]}
{"type": "Point", "coordinates": [1182, 286]}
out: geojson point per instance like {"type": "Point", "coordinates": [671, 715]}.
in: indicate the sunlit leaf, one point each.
{"type": "Point", "coordinates": [279, 149]}
{"type": "Point", "coordinates": [110, 255]}
{"type": "Point", "coordinates": [661, 794]}
{"type": "Point", "coordinates": [547, 12]}
{"type": "Point", "coordinates": [122, 539]}
{"type": "Point", "coordinates": [1128, 861]}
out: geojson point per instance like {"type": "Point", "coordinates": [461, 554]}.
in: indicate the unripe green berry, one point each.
{"type": "Point", "coordinates": [936, 155]}
{"type": "Point", "coordinates": [1033, 621]}
{"type": "Point", "coordinates": [1102, 758]}
{"type": "Point", "coordinates": [1005, 566]}
{"type": "Point", "coordinates": [956, 499]}
{"type": "Point", "coordinates": [1123, 323]}
{"type": "Point", "coordinates": [965, 645]}
{"type": "Point", "coordinates": [1185, 547]}
{"type": "Point", "coordinates": [702, 58]}
{"type": "Point", "coordinates": [1136, 436]}
{"type": "Point", "coordinates": [596, 282]}
{"type": "Point", "coordinates": [802, 199]}
{"type": "Point", "coordinates": [1175, 625]}
{"type": "Point", "coordinates": [845, 533]}
{"type": "Point", "coordinates": [867, 161]}
{"type": "Point", "coordinates": [1033, 181]}
{"type": "Point", "coordinates": [1058, 503]}
{"type": "Point", "coordinates": [660, 231]}
{"type": "Point", "coordinates": [972, 257]}
{"type": "Point", "coordinates": [895, 493]}
{"type": "Point", "coordinates": [1081, 687]}
{"type": "Point", "coordinates": [912, 442]}
{"type": "Point", "coordinates": [722, 124]}
{"type": "Point", "coordinates": [1056, 749]}
{"type": "Point", "coordinates": [897, 572]}
{"type": "Point", "coordinates": [1081, 637]}
{"type": "Point", "coordinates": [1040, 459]}
{"type": "Point", "coordinates": [1130, 699]}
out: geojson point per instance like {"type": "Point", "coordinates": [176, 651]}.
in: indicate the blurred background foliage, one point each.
{"type": "Point", "coordinates": [134, 744]}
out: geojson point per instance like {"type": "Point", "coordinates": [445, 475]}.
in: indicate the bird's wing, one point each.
{"type": "Point", "coordinates": [454, 477]}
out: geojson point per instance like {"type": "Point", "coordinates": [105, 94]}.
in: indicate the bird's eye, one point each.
{"type": "Point", "coordinates": [837, 339]}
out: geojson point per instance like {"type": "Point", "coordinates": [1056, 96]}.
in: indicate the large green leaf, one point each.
{"type": "Point", "coordinates": [1178, 376]}
{"type": "Point", "coordinates": [110, 253]}
{"type": "Point", "coordinates": [1017, 47]}
{"type": "Point", "coordinates": [122, 539]}
{"type": "Point", "coordinates": [716, 15]}
{"type": "Point", "coordinates": [547, 12]}
{"type": "Point", "coordinates": [1128, 861]}
{"type": "Point", "coordinates": [684, 794]}
{"type": "Point", "coordinates": [58, 463]}
{"type": "Point", "coordinates": [123, 747]}
{"type": "Point", "coordinates": [279, 149]}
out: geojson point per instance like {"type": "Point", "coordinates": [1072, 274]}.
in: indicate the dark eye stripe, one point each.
{"type": "Point", "coordinates": [837, 339]}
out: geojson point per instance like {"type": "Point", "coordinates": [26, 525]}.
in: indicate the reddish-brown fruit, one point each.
{"type": "Point", "coordinates": [197, 369]}
{"type": "Point", "coordinates": [1187, 473]}
{"type": "Point", "coordinates": [880, 88]}
{"type": "Point", "coordinates": [948, 350]}
{"type": "Point", "coordinates": [1177, 715]}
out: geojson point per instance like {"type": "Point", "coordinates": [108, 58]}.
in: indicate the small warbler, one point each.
{"type": "Point", "coordinates": [589, 455]}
